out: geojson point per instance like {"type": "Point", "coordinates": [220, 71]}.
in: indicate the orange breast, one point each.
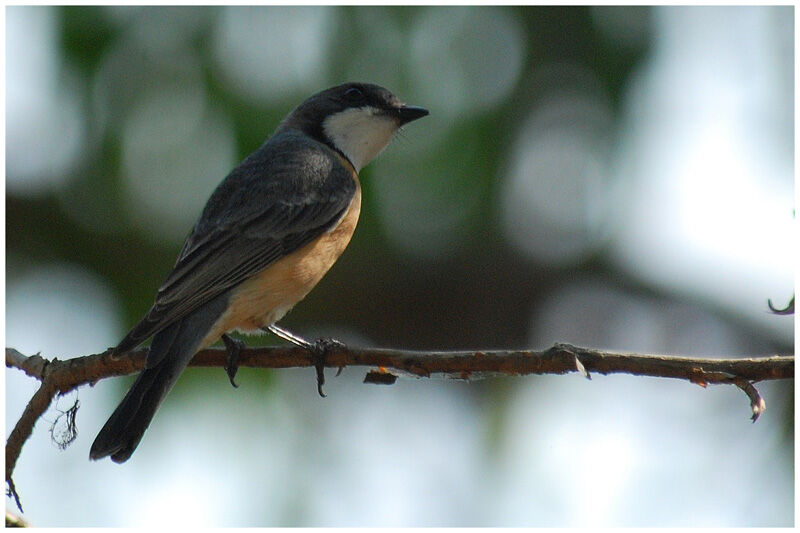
{"type": "Point", "coordinates": [270, 294]}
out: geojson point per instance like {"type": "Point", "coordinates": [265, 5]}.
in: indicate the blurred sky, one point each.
{"type": "Point", "coordinates": [620, 178]}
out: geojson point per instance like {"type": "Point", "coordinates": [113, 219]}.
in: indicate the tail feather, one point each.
{"type": "Point", "coordinates": [170, 352]}
{"type": "Point", "coordinates": [124, 429]}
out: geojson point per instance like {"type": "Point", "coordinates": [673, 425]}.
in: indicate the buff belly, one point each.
{"type": "Point", "coordinates": [269, 295]}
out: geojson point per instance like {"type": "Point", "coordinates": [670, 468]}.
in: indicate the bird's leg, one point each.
{"type": "Point", "coordinates": [319, 348]}
{"type": "Point", "coordinates": [287, 335]}
{"type": "Point", "coordinates": [234, 348]}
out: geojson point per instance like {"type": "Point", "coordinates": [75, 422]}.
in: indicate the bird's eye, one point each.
{"type": "Point", "coordinates": [354, 94]}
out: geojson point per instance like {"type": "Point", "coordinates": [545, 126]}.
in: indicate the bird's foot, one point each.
{"type": "Point", "coordinates": [318, 348]}
{"type": "Point", "coordinates": [234, 348]}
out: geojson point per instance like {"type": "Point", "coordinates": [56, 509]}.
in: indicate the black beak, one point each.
{"type": "Point", "coordinates": [408, 113]}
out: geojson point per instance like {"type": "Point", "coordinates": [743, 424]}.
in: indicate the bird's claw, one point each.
{"type": "Point", "coordinates": [234, 348]}
{"type": "Point", "coordinates": [320, 349]}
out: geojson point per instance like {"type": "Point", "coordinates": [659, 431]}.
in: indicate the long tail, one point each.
{"type": "Point", "coordinates": [171, 350]}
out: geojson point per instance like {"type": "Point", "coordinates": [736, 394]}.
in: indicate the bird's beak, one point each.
{"type": "Point", "coordinates": [408, 113]}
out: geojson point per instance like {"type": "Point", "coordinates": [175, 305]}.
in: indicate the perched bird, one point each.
{"type": "Point", "coordinates": [267, 235]}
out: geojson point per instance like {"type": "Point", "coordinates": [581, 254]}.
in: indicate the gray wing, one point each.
{"type": "Point", "coordinates": [282, 196]}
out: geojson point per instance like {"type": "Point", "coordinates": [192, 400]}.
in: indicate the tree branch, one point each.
{"type": "Point", "coordinates": [60, 377]}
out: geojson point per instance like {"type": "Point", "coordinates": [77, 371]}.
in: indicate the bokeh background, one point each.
{"type": "Point", "coordinates": [618, 178]}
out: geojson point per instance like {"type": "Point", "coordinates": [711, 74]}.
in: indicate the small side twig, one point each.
{"type": "Point", "coordinates": [788, 310]}
{"type": "Point", "coordinates": [757, 403]}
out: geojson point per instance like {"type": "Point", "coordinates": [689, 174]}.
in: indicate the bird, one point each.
{"type": "Point", "coordinates": [267, 235]}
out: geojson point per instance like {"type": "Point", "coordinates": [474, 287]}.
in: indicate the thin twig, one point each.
{"type": "Point", "coordinates": [22, 430]}
{"type": "Point", "coordinates": [788, 310]}
{"type": "Point", "coordinates": [60, 377]}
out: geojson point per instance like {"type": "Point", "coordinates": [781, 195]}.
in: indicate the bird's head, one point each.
{"type": "Point", "coordinates": [357, 119]}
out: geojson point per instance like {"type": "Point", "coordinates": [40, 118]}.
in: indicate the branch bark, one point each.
{"type": "Point", "coordinates": [60, 377]}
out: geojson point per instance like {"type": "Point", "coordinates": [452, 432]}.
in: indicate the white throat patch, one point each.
{"type": "Point", "coordinates": [360, 133]}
